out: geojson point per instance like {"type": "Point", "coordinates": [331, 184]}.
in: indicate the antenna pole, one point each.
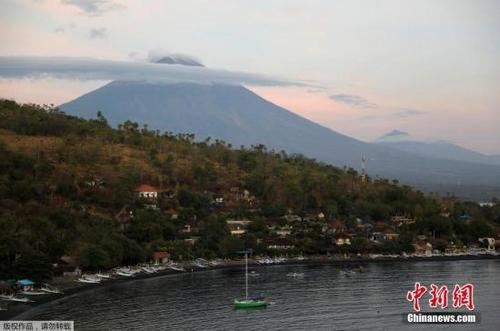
{"type": "Point", "coordinates": [363, 168]}
{"type": "Point", "coordinates": [246, 276]}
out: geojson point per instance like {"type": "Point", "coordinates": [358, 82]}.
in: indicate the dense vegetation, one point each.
{"type": "Point", "coordinates": [65, 184]}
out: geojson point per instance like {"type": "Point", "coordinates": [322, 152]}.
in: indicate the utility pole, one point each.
{"type": "Point", "coordinates": [363, 168]}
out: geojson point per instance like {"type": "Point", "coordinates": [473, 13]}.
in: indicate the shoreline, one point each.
{"type": "Point", "coordinates": [16, 309]}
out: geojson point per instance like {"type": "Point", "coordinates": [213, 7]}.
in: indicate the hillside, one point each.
{"type": "Point", "coordinates": [240, 117]}
{"type": "Point", "coordinates": [68, 187]}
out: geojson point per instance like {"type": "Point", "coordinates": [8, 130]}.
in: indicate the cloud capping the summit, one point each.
{"type": "Point", "coordinates": [79, 68]}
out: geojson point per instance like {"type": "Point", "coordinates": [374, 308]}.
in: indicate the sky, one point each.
{"type": "Point", "coordinates": [362, 68]}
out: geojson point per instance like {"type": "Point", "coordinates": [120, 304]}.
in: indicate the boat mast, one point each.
{"type": "Point", "coordinates": [246, 276]}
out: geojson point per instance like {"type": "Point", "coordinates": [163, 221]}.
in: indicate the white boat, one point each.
{"type": "Point", "coordinates": [124, 272]}
{"type": "Point", "coordinates": [279, 260]}
{"type": "Point", "coordinates": [32, 292]}
{"type": "Point", "coordinates": [103, 276]}
{"type": "Point", "coordinates": [50, 289]}
{"type": "Point", "coordinates": [295, 274]}
{"type": "Point", "coordinates": [215, 263]}
{"type": "Point", "coordinates": [17, 299]}
{"type": "Point", "coordinates": [265, 261]}
{"type": "Point", "coordinates": [175, 267]}
{"type": "Point", "coordinates": [89, 280]}
{"type": "Point", "coordinates": [159, 267]}
{"type": "Point", "coordinates": [200, 263]}
{"type": "Point", "coordinates": [148, 270]}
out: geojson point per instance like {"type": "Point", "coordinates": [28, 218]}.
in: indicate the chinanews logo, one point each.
{"type": "Point", "coordinates": [462, 297]}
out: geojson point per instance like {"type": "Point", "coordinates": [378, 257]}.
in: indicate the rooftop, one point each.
{"type": "Point", "coordinates": [145, 188]}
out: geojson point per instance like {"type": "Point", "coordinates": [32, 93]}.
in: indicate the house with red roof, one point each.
{"type": "Point", "coordinates": [160, 257]}
{"type": "Point", "coordinates": [146, 191]}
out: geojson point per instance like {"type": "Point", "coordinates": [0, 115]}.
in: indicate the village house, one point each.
{"type": "Point", "coordinates": [160, 257]}
{"type": "Point", "coordinates": [238, 227]}
{"type": "Point", "coordinates": [342, 239]}
{"type": "Point", "coordinates": [146, 191]}
{"type": "Point", "coordinates": [283, 231]}
{"type": "Point", "coordinates": [423, 247]}
{"type": "Point", "coordinates": [149, 194]}
{"type": "Point", "coordinates": [390, 235]}
{"type": "Point", "coordinates": [218, 200]}
{"type": "Point", "coordinates": [186, 228]}
{"type": "Point", "coordinates": [452, 248]}
{"type": "Point", "coordinates": [67, 267]}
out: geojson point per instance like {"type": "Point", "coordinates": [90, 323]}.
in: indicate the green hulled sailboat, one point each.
{"type": "Point", "coordinates": [249, 302]}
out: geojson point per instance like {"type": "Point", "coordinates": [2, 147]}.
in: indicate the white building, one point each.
{"type": "Point", "coordinates": [146, 191]}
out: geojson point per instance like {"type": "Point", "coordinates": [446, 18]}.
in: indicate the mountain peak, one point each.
{"type": "Point", "coordinates": [182, 60]}
{"type": "Point", "coordinates": [395, 135]}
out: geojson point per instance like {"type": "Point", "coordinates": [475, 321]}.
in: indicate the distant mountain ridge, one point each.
{"type": "Point", "coordinates": [434, 148]}
{"type": "Point", "coordinates": [240, 117]}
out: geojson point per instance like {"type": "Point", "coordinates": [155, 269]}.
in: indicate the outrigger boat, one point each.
{"type": "Point", "coordinates": [175, 267]}
{"type": "Point", "coordinates": [15, 299]}
{"type": "Point", "coordinates": [89, 280]}
{"type": "Point", "coordinates": [50, 289]}
{"type": "Point", "coordinates": [200, 263]}
{"type": "Point", "coordinates": [18, 299]}
{"type": "Point", "coordinates": [32, 292]}
{"type": "Point", "coordinates": [125, 272]}
{"type": "Point", "coordinates": [102, 275]}
{"type": "Point", "coordinates": [148, 270]}
{"type": "Point", "coordinates": [258, 302]}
